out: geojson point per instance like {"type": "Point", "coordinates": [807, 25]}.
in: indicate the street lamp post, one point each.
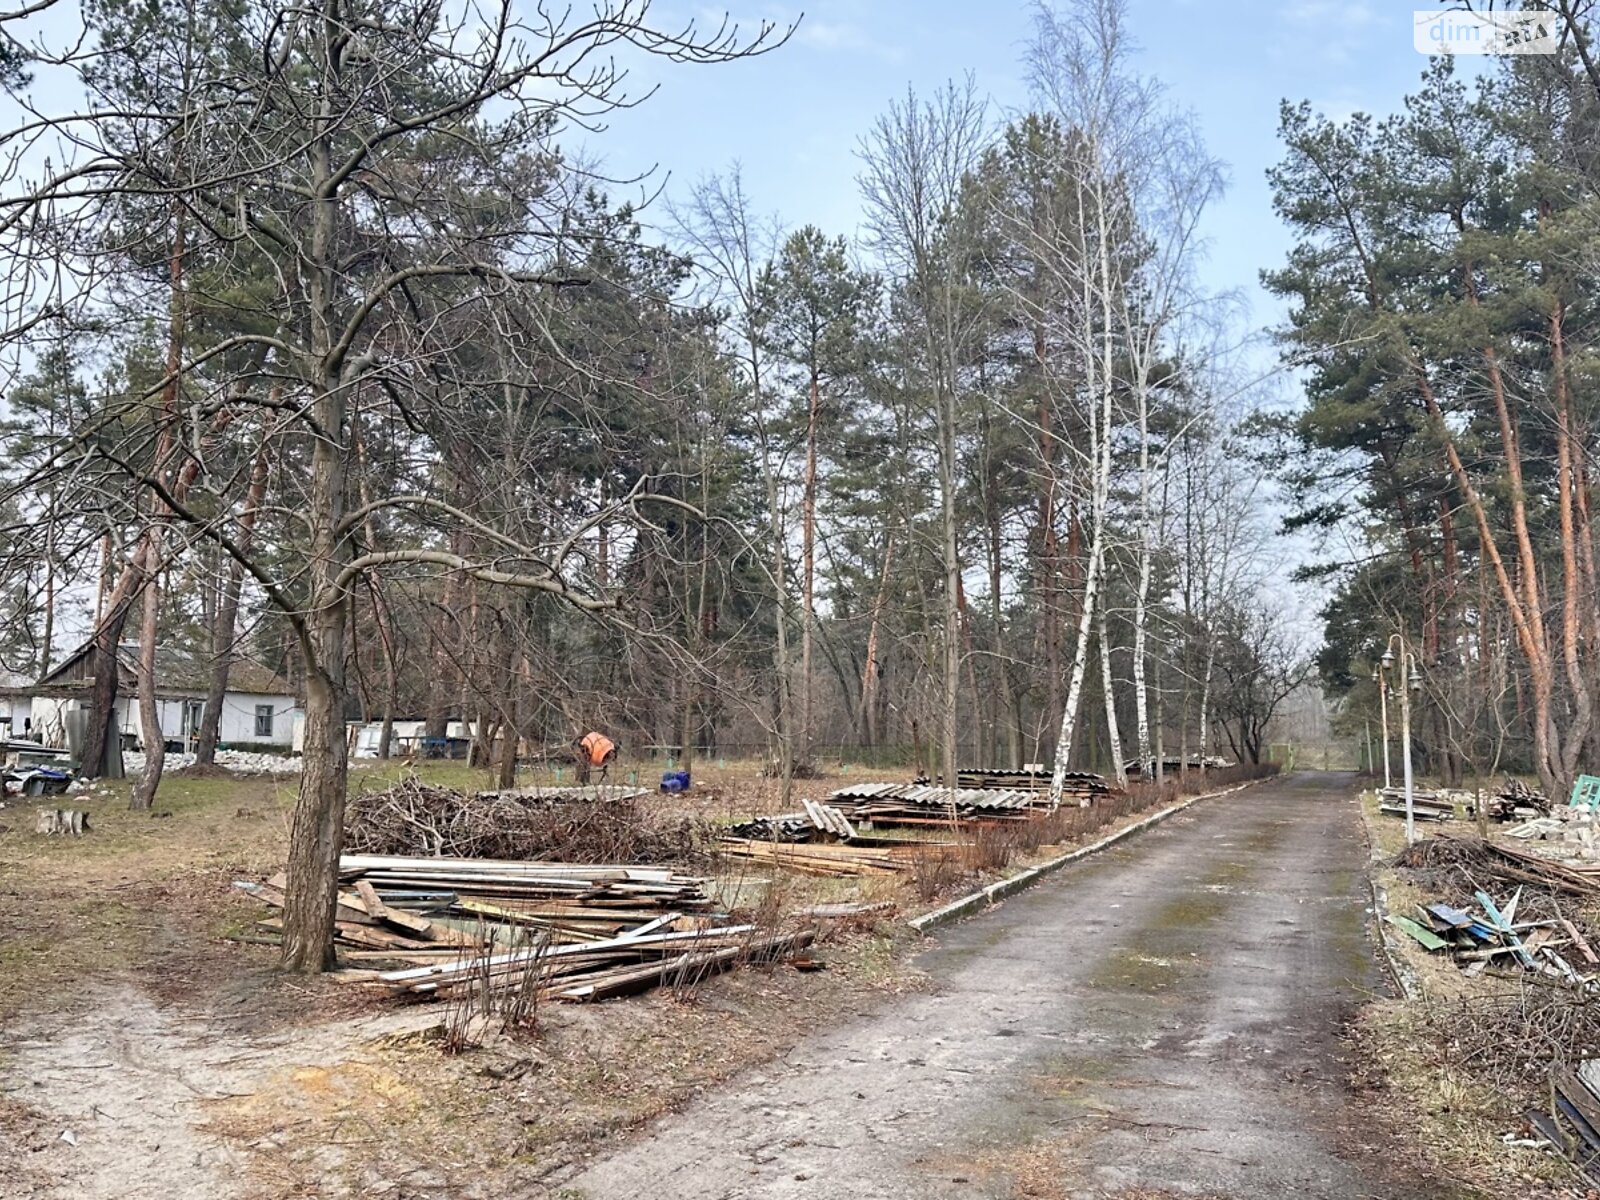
{"type": "Point", "coordinates": [1409, 681]}
{"type": "Point", "coordinates": [1383, 719]}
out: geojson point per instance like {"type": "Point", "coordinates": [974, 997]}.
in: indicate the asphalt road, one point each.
{"type": "Point", "coordinates": [1161, 1019]}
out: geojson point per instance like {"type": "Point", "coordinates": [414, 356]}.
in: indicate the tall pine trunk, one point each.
{"type": "Point", "coordinates": [809, 566]}
{"type": "Point", "coordinates": [225, 629]}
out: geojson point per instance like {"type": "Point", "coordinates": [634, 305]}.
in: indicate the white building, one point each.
{"type": "Point", "coordinates": [259, 709]}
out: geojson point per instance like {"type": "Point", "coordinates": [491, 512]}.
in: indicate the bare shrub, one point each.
{"type": "Point", "coordinates": [494, 998]}
{"type": "Point", "coordinates": [990, 848]}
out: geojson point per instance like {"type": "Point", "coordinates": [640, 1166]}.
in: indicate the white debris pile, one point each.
{"type": "Point", "coordinates": [240, 762]}
{"type": "Point", "coordinates": [1575, 829]}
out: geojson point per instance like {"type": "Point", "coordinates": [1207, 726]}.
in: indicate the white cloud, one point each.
{"type": "Point", "coordinates": [844, 37]}
{"type": "Point", "coordinates": [1332, 30]}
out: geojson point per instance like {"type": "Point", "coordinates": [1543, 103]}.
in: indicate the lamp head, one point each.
{"type": "Point", "coordinates": [1388, 659]}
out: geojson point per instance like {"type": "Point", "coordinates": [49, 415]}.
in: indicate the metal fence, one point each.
{"type": "Point", "coordinates": [1346, 754]}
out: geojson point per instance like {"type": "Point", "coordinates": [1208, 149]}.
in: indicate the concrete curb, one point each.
{"type": "Point", "coordinates": [1400, 972]}
{"type": "Point", "coordinates": [995, 892]}
{"type": "Point", "coordinates": [1405, 979]}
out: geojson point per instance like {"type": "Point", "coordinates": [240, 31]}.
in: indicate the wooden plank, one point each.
{"type": "Point", "coordinates": [1503, 928]}
{"type": "Point", "coordinates": [1579, 941]}
{"type": "Point", "coordinates": [1427, 937]}
{"type": "Point", "coordinates": [650, 927]}
{"type": "Point", "coordinates": [513, 958]}
{"type": "Point", "coordinates": [411, 923]}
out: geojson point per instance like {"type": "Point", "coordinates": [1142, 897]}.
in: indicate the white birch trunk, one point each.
{"type": "Point", "coordinates": [1141, 598]}
{"type": "Point", "coordinates": [1119, 770]}
{"type": "Point", "coordinates": [1080, 662]}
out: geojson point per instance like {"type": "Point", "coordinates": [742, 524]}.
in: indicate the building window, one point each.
{"type": "Point", "coordinates": [263, 720]}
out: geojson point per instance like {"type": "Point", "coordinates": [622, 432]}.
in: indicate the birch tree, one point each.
{"type": "Point", "coordinates": [915, 163]}
{"type": "Point", "coordinates": [1140, 180]}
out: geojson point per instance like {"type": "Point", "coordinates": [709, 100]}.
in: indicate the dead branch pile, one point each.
{"type": "Point", "coordinates": [1503, 863]}
{"type": "Point", "coordinates": [1510, 1040]}
{"type": "Point", "coordinates": [417, 819]}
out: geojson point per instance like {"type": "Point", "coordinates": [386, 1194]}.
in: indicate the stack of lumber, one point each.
{"type": "Point", "coordinates": [557, 931]}
{"type": "Point", "coordinates": [819, 859]}
{"type": "Point", "coordinates": [1076, 785]}
{"type": "Point", "coordinates": [1425, 806]}
{"type": "Point", "coordinates": [619, 966]}
{"type": "Point", "coordinates": [410, 907]}
{"type": "Point", "coordinates": [571, 900]}
{"type": "Point", "coordinates": [796, 827]}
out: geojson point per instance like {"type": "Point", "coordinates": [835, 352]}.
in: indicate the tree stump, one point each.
{"type": "Point", "coordinates": [71, 821]}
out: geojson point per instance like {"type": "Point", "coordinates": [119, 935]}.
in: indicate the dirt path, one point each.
{"type": "Point", "coordinates": [121, 1089]}
{"type": "Point", "coordinates": [1162, 1020]}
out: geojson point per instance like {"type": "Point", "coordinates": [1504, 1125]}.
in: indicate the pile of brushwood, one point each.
{"type": "Point", "coordinates": [1509, 1027]}
{"type": "Point", "coordinates": [416, 818]}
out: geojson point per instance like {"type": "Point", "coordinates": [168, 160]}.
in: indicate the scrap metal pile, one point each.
{"type": "Point", "coordinates": [1490, 936]}
{"type": "Point", "coordinates": [581, 932]}
{"type": "Point", "coordinates": [1500, 909]}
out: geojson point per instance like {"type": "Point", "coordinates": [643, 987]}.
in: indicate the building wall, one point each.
{"type": "Point", "coordinates": [239, 718]}
{"type": "Point", "coordinates": [238, 722]}
{"type": "Point", "coordinates": [46, 716]}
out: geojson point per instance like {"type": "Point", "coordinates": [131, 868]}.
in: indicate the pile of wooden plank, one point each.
{"type": "Point", "coordinates": [1425, 806]}
{"type": "Point", "coordinates": [570, 900]}
{"type": "Point", "coordinates": [633, 962]}
{"type": "Point", "coordinates": [1572, 1122]}
{"type": "Point", "coordinates": [1523, 866]}
{"type": "Point", "coordinates": [410, 907]}
{"type": "Point", "coordinates": [558, 931]}
{"type": "Point", "coordinates": [817, 820]}
{"type": "Point", "coordinates": [1076, 785]}
{"type": "Point", "coordinates": [1516, 799]}
{"type": "Point", "coordinates": [1491, 936]}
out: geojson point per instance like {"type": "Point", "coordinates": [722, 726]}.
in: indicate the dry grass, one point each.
{"type": "Point", "coordinates": [1452, 1116]}
{"type": "Point", "coordinates": [146, 900]}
